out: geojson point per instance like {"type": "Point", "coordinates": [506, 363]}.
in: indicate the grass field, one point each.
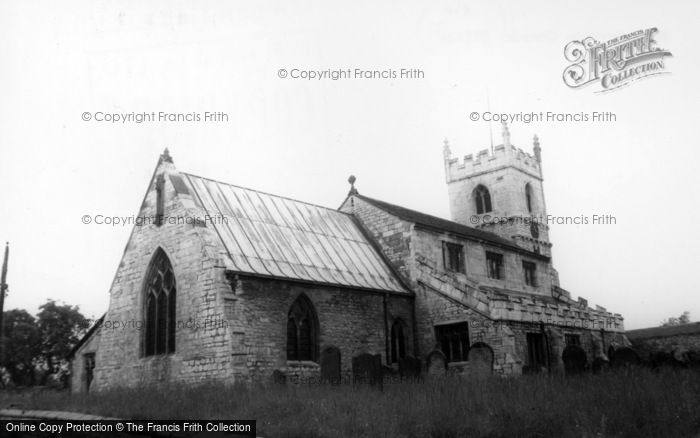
{"type": "Point", "coordinates": [632, 404]}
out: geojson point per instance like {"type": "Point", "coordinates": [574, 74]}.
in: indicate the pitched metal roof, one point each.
{"type": "Point", "coordinates": [439, 224]}
{"type": "Point", "coordinates": [272, 236]}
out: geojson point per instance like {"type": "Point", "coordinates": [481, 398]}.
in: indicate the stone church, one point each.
{"type": "Point", "coordinates": [225, 283]}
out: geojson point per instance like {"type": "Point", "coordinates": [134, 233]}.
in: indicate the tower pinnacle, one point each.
{"type": "Point", "coordinates": [506, 135]}
{"type": "Point", "coordinates": [446, 149]}
{"type": "Point", "coordinates": [536, 148]}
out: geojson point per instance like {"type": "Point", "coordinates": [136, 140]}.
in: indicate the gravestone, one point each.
{"type": "Point", "coordinates": [480, 357]}
{"type": "Point", "coordinates": [624, 357]}
{"type": "Point", "coordinates": [437, 363]}
{"type": "Point", "coordinates": [574, 359]}
{"type": "Point", "coordinates": [611, 352]}
{"type": "Point", "coordinates": [367, 368]}
{"type": "Point", "coordinates": [279, 377]}
{"type": "Point", "coordinates": [409, 367]}
{"type": "Point", "coordinates": [330, 365]}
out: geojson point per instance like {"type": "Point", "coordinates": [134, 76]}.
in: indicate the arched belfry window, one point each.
{"type": "Point", "coordinates": [398, 341]}
{"type": "Point", "coordinates": [302, 330]}
{"type": "Point", "coordinates": [528, 197]}
{"type": "Point", "coordinates": [160, 297]}
{"type": "Point", "coordinates": [482, 198]}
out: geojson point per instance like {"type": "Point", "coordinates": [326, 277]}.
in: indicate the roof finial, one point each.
{"type": "Point", "coordinates": [165, 156]}
{"type": "Point", "coordinates": [353, 190]}
{"type": "Point", "coordinates": [446, 149]}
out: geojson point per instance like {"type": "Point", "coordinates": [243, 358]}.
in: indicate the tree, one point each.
{"type": "Point", "coordinates": [60, 327]}
{"type": "Point", "coordinates": [21, 346]}
{"type": "Point", "coordinates": [683, 319]}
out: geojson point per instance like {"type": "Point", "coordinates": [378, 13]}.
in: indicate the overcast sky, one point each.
{"type": "Point", "coordinates": [302, 138]}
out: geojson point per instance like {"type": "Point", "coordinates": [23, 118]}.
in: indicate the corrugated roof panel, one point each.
{"type": "Point", "coordinates": [314, 260]}
{"type": "Point", "coordinates": [363, 266]}
{"type": "Point", "coordinates": [273, 210]}
{"type": "Point", "coordinates": [277, 255]}
{"type": "Point", "coordinates": [297, 216]}
{"type": "Point", "coordinates": [378, 268]}
{"type": "Point", "coordinates": [260, 247]}
{"type": "Point", "coordinates": [243, 248]}
{"type": "Point", "coordinates": [283, 236]}
{"type": "Point", "coordinates": [274, 236]}
{"type": "Point", "coordinates": [341, 247]}
{"type": "Point", "coordinates": [342, 224]}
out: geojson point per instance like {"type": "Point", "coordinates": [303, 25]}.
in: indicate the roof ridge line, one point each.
{"type": "Point", "coordinates": [267, 193]}
{"type": "Point", "coordinates": [488, 236]}
{"type": "Point", "coordinates": [432, 215]}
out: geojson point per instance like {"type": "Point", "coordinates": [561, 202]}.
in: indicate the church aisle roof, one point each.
{"type": "Point", "coordinates": [692, 328]}
{"type": "Point", "coordinates": [273, 236]}
{"type": "Point", "coordinates": [444, 225]}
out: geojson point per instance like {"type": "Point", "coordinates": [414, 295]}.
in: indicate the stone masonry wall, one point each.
{"type": "Point", "coordinates": [392, 234]}
{"type": "Point", "coordinates": [350, 320]}
{"type": "Point", "coordinates": [498, 318]}
{"type": "Point", "coordinates": [428, 244]}
{"type": "Point", "coordinates": [202, 345]}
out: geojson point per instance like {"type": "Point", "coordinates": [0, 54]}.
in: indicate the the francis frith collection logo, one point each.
{"type": "Point", "coordinates": [614, 63]}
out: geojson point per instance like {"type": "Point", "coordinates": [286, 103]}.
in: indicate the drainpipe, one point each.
{"type": "Point", "coordinates": [546, 346]}
{"type": "Point", "coordinates": [414, 328]}
{"type": "Point", "coordinates": [386, 331]}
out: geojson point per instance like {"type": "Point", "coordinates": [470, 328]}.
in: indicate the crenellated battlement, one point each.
{"type": "Point", "coordinates": [503, 155]}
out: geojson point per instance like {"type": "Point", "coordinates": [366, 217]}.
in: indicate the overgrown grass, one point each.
{"type": "Point", "coordinates": [641, 403]}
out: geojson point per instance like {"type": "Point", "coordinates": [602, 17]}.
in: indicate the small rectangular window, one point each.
{"type": "Point", "coordinates": [530, 271]}
{"type": "Point", "coordinates": [453, 257]}
{"type": "Point", "coordinates": [454, 341]}
{"type": "Point", "coordinates": [494, 265]}
{"type": "Point", "coordinates": [89, 365]}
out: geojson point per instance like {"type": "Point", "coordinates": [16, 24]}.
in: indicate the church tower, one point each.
{"type": "Point", "coordinates": [500, 190]}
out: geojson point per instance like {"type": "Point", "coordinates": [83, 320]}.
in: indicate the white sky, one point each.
{"type": "Point", "coordinates": [303, 138]}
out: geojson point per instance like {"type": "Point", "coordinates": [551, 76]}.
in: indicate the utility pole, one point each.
{"type": "Point", "coordinates": [3, 289]}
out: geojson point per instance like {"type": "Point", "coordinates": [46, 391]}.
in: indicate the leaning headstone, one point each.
{"type": "Point", "coordinates": [480, 357]}
{"type": "Point", "coordinates": [437, 363]}
{"type": "Point", "coordinates": [330, 365]}
{"type": "Point", "coordinates": [681, 356]}
{"type": "Point", "coordinates": [624, 357]}
{"type": "Point", "coordinates": [574, 359]}
{"type": "Point", "coordinates": [367, 368]}
{"type": "Point", "coordinates": [409, 367]}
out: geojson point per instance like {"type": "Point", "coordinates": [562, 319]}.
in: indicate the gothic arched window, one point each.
{"type": "Point", "coordinates": [528, 197]}
{"type": "Point", "coordinates": [482, 197]}
{"type": "Point", "coordinates": [302, 330]}
{"type": "Point", "coordinates": [160, 296]}
{"type": "Point", "coordinates": [398, 341]}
